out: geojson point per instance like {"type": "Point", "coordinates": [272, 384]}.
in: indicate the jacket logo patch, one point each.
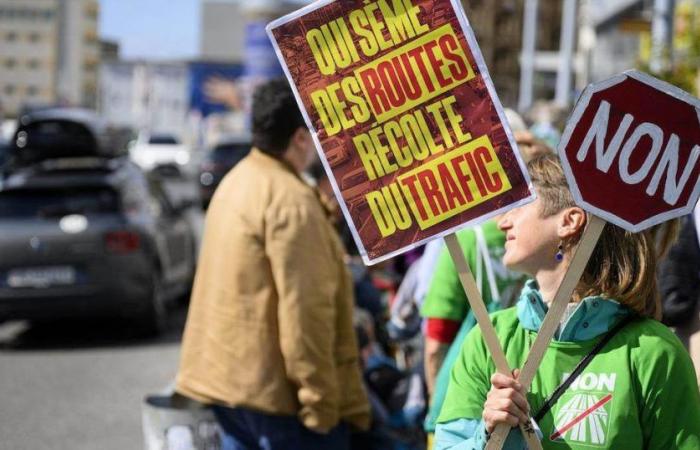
{"type": "Point", "coordinates": [584, 415]}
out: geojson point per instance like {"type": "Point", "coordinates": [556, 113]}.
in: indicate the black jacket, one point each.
{"type": "Point", "coordinates": [679, 276]}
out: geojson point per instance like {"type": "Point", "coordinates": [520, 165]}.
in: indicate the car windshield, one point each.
{"type": "Point", "coordinates": [3, 153]}
{"type": "Point", "coordinates": [56, 136]}
{"type": "Point", "coordinates": [163, 139]}
{"type": "Point", "coordinates": [56, 203]}
{"type": "Point", "coordinates": [229, 153]}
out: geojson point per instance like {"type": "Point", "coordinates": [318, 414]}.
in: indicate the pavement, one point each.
{"type": "Point", "coordinates": [79, 385]}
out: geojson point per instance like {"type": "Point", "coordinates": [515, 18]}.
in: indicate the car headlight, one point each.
{"type": "Point", "coordinates": [206, 178]}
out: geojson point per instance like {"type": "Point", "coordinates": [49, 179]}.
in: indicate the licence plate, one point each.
{"type": "Point", "coordinates": [41, 277]}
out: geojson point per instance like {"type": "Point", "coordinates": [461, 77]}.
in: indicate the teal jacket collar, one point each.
{"type": "Point", "coordinates": [593, 315]}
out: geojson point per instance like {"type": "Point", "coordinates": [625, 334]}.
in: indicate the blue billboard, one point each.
{"type": "Point", "coordinates": [260, 59]}
{"type": "Point", "coordinates": [209, 84]}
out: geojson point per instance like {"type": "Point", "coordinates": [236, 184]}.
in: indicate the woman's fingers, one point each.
{"type": "Point", "coordinates": [500, 381]}
{"type": "Point", "coordinates": [513, 408]}
{"type": "Point", "coordinates": [516, 397]}
{"type": "Point", "coordinates": [506, 402]}
{"type": "Point", "coordinates": [494, 417]}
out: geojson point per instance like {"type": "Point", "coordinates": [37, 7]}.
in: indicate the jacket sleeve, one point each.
{"type": "Point", "coordinates": [460, 434]}
{"type": "Point", "coordinates": [679, 276]}
{"type": "Point", "coordinates": [470, 434]}
{"type": "Point", "coordinates": [303, 271]}
{"type": "Point", "coordinates": [670, 406]}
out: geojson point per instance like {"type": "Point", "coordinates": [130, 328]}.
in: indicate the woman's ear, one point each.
{"type": "Point", "coordinates": [571, 222]}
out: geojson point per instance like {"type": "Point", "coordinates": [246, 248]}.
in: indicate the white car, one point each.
{"type": "Point", "coordinates": [152, 151]}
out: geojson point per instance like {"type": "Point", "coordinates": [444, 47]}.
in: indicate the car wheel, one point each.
{"type": "Point", "coordinates": [154, 319]}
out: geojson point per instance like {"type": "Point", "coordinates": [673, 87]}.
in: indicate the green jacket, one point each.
{"type": "Point", "coordinates": [638, 392]}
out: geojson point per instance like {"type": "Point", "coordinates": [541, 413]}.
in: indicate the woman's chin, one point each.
{"type": "Point", "coordinates": [509, 262]}
{"type": "Point", "coordinates": [515, 265]}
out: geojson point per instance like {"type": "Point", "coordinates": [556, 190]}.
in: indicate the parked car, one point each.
{"type": "Point", "coordinates": [218, 161]}
{"type": "Point", "coordinates": [151, 151]}
{"type": "Point", "coordinates": [3, 154]}
{"type": "Point", "coordinates": [87, 236]}
{"type": "Point", "coordinates": [61, 132]}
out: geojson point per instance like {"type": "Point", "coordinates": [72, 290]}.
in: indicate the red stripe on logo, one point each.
{"type": "Point", "coordinates": [580, 417]}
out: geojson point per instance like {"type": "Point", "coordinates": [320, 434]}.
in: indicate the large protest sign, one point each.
{"type": "Point", "coordinates": [405, 118]}
{"type": "Point", "coordinates": [630, 153]}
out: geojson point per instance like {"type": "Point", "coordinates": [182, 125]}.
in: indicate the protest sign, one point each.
{"type": "Point", "coordinates": [405, 118]}
{"type": "Point", "coordinates": [630, 153]}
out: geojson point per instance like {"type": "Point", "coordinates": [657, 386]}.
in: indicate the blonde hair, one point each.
{"type": "Point", "coordinates": [623, 264]}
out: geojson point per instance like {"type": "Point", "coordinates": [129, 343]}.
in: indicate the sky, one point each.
{"type": "Point", "coordinates": [152, 29]}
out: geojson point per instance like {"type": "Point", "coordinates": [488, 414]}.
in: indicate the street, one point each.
{"type": "Point", "coordinates": [79, 385]}
{"type": "Point", "coordinates": [410, 204]}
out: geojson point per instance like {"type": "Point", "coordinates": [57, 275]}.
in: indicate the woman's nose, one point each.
{"type": "Point", "coordinates": [504, 223]}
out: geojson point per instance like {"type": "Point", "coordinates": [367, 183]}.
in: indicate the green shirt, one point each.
{"type": "Point", "coordinates": [446, 298]}
{"type": "Point", "coordinates": [638, 392]}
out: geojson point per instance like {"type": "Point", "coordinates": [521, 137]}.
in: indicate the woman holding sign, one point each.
{"type": "Point", "coordinates": [612, 378]}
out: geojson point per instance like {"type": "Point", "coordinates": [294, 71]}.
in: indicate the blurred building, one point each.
{"type": "Point", "coordinates": [109, 50]}
{"type": "Point", "coordinates": [49, 53]}
{"type": "Point", "coordinates": [498, 27]}
{"type": "Point", "coordinates": [145, 96]}
{"type": "Point", "coordinates": [222, 31]}
{"type": "Point", "coordinates": [618, 26]}
{"type": "Point", "coordinates": [79, 52]}
{"type": "Point", "coordinates": [28, 53]}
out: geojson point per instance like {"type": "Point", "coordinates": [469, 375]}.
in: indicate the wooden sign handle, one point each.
{"type": "Point", "coordinates": [551, 322]}
{"type": "Point", "coordinates": [482, 318]}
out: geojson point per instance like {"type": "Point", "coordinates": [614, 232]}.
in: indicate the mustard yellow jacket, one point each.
{"type": "Point", "coordinates": [270, 319]}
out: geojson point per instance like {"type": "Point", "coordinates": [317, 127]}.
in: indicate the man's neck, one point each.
{"type": "Point", "coordinates": [295, 158]}
{"type": "Point", "coordinates": [294, 165]}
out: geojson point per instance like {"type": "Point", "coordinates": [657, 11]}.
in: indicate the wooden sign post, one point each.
{"type": "Point", "coordinates": [616, 146]}
{"type": "Point", "coordinates": [482, 318]}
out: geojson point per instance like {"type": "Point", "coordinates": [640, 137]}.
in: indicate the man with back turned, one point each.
{"type": "Point", "coordinates": [269, 340]}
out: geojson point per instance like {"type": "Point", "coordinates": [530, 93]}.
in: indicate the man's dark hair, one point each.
{"type": "Point", "coordinates": [276, 116]}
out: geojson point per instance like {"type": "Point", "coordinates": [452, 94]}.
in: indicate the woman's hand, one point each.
{"type": "Point", "coordinates": [505, 402]}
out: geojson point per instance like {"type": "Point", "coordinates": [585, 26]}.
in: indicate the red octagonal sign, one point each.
{"type": "Point", "coordinates": [630, 151]}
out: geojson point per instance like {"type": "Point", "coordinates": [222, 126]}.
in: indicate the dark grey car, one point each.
{"type": "Point", "coordinates": [90, 236]}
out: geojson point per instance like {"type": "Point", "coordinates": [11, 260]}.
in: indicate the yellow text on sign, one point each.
{"type": "Point", "coordinates": [439, 189]}
{"type": "Point", "coordinates": [414, 73]}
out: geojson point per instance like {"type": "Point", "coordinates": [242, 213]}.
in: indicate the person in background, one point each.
{"type": "Point", "coordinates": [269, 339]}
{"type": "Point", "coordinates": [636, 391]}
{"type": "Point", "coordinates": [679, 282]}
{"type": "Point", "coordinates": [547, 120]}
{"type": "Point", "coordinates": [404, 319]}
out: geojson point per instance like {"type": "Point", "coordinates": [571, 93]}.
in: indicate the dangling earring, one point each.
{"type": "Point", "coordinates": [559, 255]}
